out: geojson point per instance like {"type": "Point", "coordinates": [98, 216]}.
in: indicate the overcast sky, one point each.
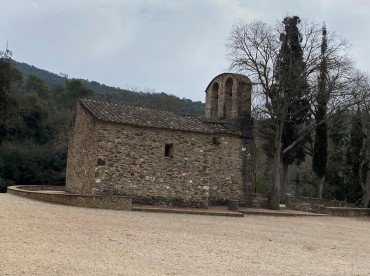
{"type": "Point", "coordinates": [174, 46]}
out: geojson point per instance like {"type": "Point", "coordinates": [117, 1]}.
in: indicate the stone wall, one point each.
{"type": "Point", "coordinates": [106, 158]}
{"type": "Point", "coordinates": [259, 201]}
{"type": "Point", "coordinates": [131, 161]}
{"type": "Point", "coordinates": [227, 170]}
{"type": "Point", "coordinates": [310, 204]}
{"type": "Point", "coordinates": [81, 160]}
{"type": "Point", "coordinates": [54, 194]}
{"type": "Point", "coordinates": [347, 211]}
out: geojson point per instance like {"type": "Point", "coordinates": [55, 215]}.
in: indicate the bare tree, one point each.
{"type": "Point", "coordinates": [253, 49]}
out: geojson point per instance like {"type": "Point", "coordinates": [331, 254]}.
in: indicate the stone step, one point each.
{"type": "Point", "coordinates": [209, 212]}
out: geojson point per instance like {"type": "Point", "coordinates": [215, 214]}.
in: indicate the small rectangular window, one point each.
{"type": "Point", "coordinates": [216, 141]}
{"type": "Point", "coordinates": [168, 150]}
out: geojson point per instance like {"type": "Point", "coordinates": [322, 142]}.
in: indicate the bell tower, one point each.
{"type": "Point", "coordinates": [228, 98]}
{"type": "Point", "coordinates": [228, 102]}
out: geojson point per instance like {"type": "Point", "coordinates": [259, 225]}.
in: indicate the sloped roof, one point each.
{"type": "Point", "coordinates": [139, 116]}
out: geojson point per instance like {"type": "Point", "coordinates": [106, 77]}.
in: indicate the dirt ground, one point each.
{"type": "Point", "coordinates": [45, 239]}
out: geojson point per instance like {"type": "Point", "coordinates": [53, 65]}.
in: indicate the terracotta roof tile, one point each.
{"type": "Point", "coordinates": [133, 115]}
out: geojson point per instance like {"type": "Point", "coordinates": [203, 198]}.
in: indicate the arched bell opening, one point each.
{"type": "Point", "coordinates": [228, 98]}
{"type": "Point", "coordinates": [214, 100]}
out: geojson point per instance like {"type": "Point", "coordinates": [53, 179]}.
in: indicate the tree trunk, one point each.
{"type": "Point", "coordinates": [275, 189]}
{"type": "Point", "coordinates": [274, 200]}
{"type": "Point", "coordinates": [320, 186]}
{"type": "Point", "coordinates": [284, 182]}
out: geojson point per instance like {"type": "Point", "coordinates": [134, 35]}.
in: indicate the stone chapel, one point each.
{"type": "Point", "coordinates": [159, 157]}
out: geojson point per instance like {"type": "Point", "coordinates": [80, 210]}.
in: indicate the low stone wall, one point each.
{"type": "Point", "coordinates": [347, 211]}
{"type": "Point", "coordinates": [56, 194]}
{"type": "Point", "coordinates": [259, 201]}
{"type": "Point", "coordinates": [39, 188]}
{"type": "Point", "coordinates": [311, 204]}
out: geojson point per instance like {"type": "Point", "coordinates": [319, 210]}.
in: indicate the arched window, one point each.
{"type": "Point", "coordinates": [214, 100]}
{"type": "Point", "coordinates": [228, 98]}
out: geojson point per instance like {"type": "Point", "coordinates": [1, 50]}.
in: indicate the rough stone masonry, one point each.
{"type": "Point", "coordinates": [159, 157]}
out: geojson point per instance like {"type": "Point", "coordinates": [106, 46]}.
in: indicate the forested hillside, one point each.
{"type": "Point", "coordinates": [160, 101]}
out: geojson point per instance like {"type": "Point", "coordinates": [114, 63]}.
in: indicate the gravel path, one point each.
{"type": "Point", "coordinates": [45, 239]}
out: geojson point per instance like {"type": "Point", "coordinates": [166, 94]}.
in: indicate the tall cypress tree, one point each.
{"type": "Point", "coordinates": [320, 150]}
{"type": "Point", "coordinates": [292, 85]}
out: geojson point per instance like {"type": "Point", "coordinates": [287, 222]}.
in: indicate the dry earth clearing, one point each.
{"type": "Point", "coordinates": [45, 239]}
